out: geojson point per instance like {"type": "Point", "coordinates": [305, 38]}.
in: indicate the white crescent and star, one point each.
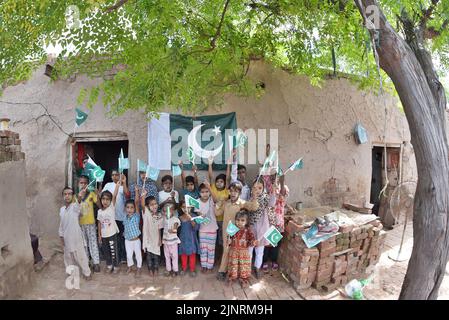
{"type": "Point", "coordinates": [197, 149]}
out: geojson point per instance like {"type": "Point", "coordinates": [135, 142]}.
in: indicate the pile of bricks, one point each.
{"type": "Point", "coordinates": [350, 254]}
{"type": "Point", "coordinates": [10, 149]}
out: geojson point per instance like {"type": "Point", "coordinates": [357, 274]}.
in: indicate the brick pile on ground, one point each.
{"type": "Point", "coordinates": [352, 253]}
{"type": "Point", "coordinates": [10, 149]}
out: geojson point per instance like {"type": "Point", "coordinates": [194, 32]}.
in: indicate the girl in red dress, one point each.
{"type": "Point", "coordinates": [239, 265]}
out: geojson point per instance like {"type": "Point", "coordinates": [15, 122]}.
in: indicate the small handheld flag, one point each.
{"type": "Point", "coordinates": [279, 171]}
{"type": "Point", "coordinates": [191, 154]}
{"type": "Point", "coordinates": [267, 164]}
{"type": "Point", "coordinates": [176, 170]}
{"type": "Point", "coordinates": [201, 220]}
{"type": "Point", "coordinates": [231, 229]}
{"type": "Point", "coordinates": [123, 163]}
{"type": "Point", "coordinates": [80, 117]}
{"type": "Point", "coordinates": [241, 139]}
{"type": "Point", "coordinates": [141, 166]}
{"type": "Point", "coordinates": [192, 202]}
{"type": "Point", "coordinates": [273, 236]}
{"type": "Point", "coordinates": [152, 173]}
{"type": "Point", "coordinates": [298, 164]}
{"type": "Point", "coordinates": [98, 174]}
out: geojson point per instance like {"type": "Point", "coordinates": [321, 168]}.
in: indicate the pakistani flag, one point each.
{"type": "Point", "coordinates": [298, 164]}
{"type": "Point", "coordinates": [240, 139]}
{"type": "Point", "coordinates": [80, 117]}
{"type": "Point", "coordinates": [192, 202]}
{"type": "Point", "coordinates": [273, 236]}
{"type": "Point", "coordinates": [201, 220]}
{"type": "Point", "coordinates": [123, 163]}
{"type": "Point", "coordinates": [141, 166]}
{"type": "Point", "coordinates": [279, 171]}
{"type": "Point", "coordinates": [176, 170]}
{"type": "Point", "coordinates": [269, 161]}
{"type": "Point", "coordinates": [98, 174]}
{"type": "Point", "coordinates": [191, 155]}
{"type": "Point", "coordinates": [231, 229]}
{"type": "Point", "coordinates": [172, 136]}
{"type": "Point", "coordinates": [152, 173]}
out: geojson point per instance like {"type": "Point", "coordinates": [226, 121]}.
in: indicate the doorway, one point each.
{"type": "Point", "coordinates": [103, 152]}
{"type": "Point", "coordinates": [379, 179]}
{"type": "Point", "coordinates": [376, 178]}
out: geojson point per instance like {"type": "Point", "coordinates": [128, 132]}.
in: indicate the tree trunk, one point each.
{"type": "Point", "coordinates": [411, 69]}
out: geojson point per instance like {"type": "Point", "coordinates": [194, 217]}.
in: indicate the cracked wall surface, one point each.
{"type": "Point", "coordinates": [314, 123]}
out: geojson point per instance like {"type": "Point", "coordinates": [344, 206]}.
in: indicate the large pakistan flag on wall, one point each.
{"type": "Point", "coordinates": [174, 137]}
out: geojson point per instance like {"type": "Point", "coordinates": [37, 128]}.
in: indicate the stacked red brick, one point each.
{"type": "Point", "coordinates": [351, 253]}
{"type": "Point", "coordinates": [10, 149]}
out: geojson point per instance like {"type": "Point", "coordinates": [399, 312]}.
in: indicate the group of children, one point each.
{"type": "Point", "coordinates": [160, 224]}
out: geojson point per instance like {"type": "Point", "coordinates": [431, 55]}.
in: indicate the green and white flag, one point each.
{"type": "Point", "coordinates": [80, 117]}
{"type": "Point", "coordinates": [273, 236]}
{"type": "Point", "coordinates": [279, 170]}
{"type": "Point", "coordinates": [192, 202]}
{"type": "Point", "coordinates": [231, 229]}
{"type": "Point", "coordinates": [241, 139]}
{"type": "Point", "coordinates": [269, 161]}
{"type": "Point", "coordinates": [201, 220]}
{"type": "Point", "coordinates": [298, 164]}
{"type": "Point", "coordinates": [123, 163]}
{"type": "Point", "coordinates": [176, 170]}
{"type": "Point", "coordinates": [152, 173]}
{"type": "Point", "coordinates": [171, 136]}
{"type": "Point", "coordinates": [191, 155]}
{"type": "Point", "coordinates": [98, 174]}
{"type": "Point", "coordinates": [141, 166]}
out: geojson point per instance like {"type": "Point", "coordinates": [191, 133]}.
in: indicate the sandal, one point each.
{"type": "Point", "coordinates": [275, 266]}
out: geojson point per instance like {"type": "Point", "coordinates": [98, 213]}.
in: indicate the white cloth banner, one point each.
{"type": "Point", "coordinates": [159, 142]}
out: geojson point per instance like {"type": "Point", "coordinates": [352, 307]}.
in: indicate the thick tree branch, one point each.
{"type": "Point", "coordinates": [115, 6]}
{"type": "Point", "coordinates": [410, 67]}
{"type": "Point", "coordinates": [220, 24]}
{"type": "Point", "coordinates": [428, 13]}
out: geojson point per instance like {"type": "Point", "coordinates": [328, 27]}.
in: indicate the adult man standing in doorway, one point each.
{"type": "Point", "coordinates": [120, 213]}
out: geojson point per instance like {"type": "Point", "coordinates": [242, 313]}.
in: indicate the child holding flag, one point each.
{"type": "Point", "coordinates": [259, 224]}
{"type": "Point", "coordinates": [107, 228]}
{"type": "Point", "coordinates": [208, 229]}
{"type": "Point", "coordinates": [153, 222]}
{"type": "Point", "coordinates": [87, 200]}
{"type": "Point", "coordinates": [170, 238]}
{"type": "Point", "coordinates": [229, 209]}
{"type": "Point", "coordinates": [276, 218]}
{"type": "Point", "coordinates": [189, 246]}
{"type": "Point", "coordinates": [167, 192]}
{"type": "Point", "coordinates": [239, 265]}
{"type": "Point", "coordinates": [190, 183]}
{"type": "Point", "coordinates": [132, 234]}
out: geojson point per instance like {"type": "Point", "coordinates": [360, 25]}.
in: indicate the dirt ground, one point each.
{"type": "Point", "coordinates": [50, 282]}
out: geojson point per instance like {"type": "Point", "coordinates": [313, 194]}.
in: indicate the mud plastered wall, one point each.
{"type": "Point", "coordinates": [16, 256]}
{"type": "Point", "coordinates": [312, 122]}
